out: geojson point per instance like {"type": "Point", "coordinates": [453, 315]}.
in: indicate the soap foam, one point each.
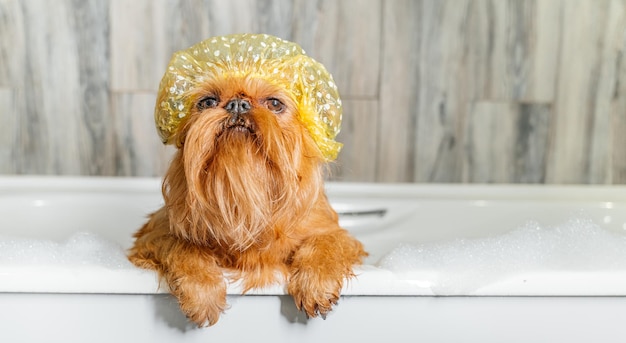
{"type": "Point", "coordinates": [462, 266]}
{"type": "Point", "coordinates": [80, 249]}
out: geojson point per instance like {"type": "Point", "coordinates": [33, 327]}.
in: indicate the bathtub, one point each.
{"type": "Point", "coordinates": [43, 301]}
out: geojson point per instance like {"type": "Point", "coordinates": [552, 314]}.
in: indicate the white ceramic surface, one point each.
{"type": "Point", "coordinates": [87, 303]}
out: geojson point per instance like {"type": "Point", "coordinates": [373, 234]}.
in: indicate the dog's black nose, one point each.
{"type": "Point", "coordinates": [238, 106]}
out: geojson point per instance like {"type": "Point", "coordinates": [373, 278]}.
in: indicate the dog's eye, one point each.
{"type": "Point", "coordinates": [207, 102]}
{"type": "Point", "coordinates": [275, 105]}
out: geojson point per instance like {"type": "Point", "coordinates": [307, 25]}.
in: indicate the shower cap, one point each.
{"type": "Point", "coordinates": [270, 58]}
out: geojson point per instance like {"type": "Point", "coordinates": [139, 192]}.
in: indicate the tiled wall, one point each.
{"type": "Point", "coordinates": [434, 90]}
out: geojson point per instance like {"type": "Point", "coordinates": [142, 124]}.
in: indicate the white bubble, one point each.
{"type": "Point", "coordinates": [80, 249]}
{"type": "Point", "coordinates": [463, 266]}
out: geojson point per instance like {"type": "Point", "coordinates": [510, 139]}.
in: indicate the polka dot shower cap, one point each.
{"type": "Point", "coordinates": [267, 57]}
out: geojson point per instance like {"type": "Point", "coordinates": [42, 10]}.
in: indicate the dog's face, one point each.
{"type": "Point", "coordinates": [237, 112]}
{"type": "Point", "coordinates": [246, 163]}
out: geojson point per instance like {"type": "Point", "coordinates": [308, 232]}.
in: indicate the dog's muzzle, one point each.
{"type": "Point", "coordinates": [239, 115]}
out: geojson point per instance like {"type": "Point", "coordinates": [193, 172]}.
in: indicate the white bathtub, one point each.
{"type": "Point", "coordinates": [47, 302]}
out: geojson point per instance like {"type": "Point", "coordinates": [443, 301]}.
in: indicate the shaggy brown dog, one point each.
{"type": "Point", "coordinates": [244, 201]}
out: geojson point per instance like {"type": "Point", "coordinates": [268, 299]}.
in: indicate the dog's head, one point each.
{"type": "Point", "coordinates": [252, 138]}
{"type": "Point", "coordinates": [218, 61]}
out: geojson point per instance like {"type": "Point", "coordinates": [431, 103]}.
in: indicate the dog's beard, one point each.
{"type": "Point", "coordinates": [227, 186]}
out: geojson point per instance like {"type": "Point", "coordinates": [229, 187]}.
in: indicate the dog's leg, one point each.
{"type": "Point", "coordinates": [196, 280]}
{"type": "Point", "coordinates": [319, 267]}
{"type": "Point", "coordinates": [192, 274]}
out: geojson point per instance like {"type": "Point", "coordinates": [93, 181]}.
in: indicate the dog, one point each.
{"type": "Point", "coordinates": [253, 119]}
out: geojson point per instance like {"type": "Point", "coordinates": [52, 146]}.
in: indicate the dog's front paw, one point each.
{"type": "Point", "coordinates": [314, 293]}
{"type": "Point", "coordinates": [202, 303]}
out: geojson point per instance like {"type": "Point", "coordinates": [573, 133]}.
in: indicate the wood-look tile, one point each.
{"type": "Point", "coordinates": [8, 137]}
{"type": "Point", "coordinates": [532, 137]}
{"type": "Point", "coordinates": [422, 81]}
{"type": "Point", "coordinates": [60, 87]}
{"type": "Point", "coordinates": [444, 90]}
{"type": "Point", "coordinates": [48, 93]}
{"type": "Point", "coordinates": [346, 39]}
{"type": "Point", "coordinates": [91, 29]}
{"type": "Point", "coordinates": [399, 90]}
{"type": "Point", "coordinates": [357, 159]}
{"type": "Point", "coordinates": [137, 53]}
{"type": "Point", "coordinates": [506, 143]}
{"type": "Point", "coordinates": [603, 97]}
{"type": "Point", "coordinates": [238, 16]}
{"type": "Point", "coordinates": [145, 33]}
{"type": "Point", "coordinates": [586, 75]}
{"type": "Point", "coordinates": [11, 43]}
{"type": "Point", "coordinates": [544, 45]}
{"type": "Point", "coordinates": [617, 111]}
{"type": "Point", "coordinates": [512, 49]}
{"type": "Point", "coordinates": [138, 148]}
{"type": "Point", "coordinates": [489, 143]}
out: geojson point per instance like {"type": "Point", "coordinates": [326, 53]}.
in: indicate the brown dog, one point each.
{"type": "Point", "coordinates": [245, 201]}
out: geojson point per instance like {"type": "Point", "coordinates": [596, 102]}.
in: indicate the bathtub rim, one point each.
{"type": "Point", "coordinates": [434, 191]}
{"type": "Point", "coordinates": [372, 281]}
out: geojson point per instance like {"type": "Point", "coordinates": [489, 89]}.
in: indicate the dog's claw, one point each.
{"type": "Point", "coordinates": [316, 302]}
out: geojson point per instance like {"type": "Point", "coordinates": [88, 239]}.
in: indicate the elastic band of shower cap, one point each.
{"type": "Point", "coordinates": [270, 58]}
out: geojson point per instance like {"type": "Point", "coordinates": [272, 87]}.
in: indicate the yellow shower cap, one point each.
{"type": "Point", "coordinates": [267, 57]}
